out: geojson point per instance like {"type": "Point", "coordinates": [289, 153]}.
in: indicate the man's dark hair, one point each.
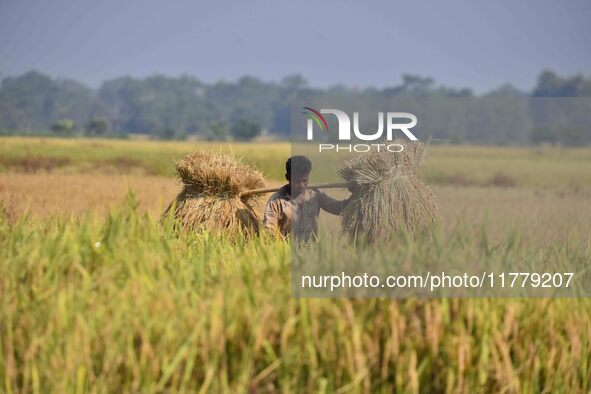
{"type": "Point", "coordinates": [299, 164]}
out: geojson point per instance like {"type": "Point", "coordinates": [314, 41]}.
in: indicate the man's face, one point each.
{"type": "Point", "coordinates": [298, 183]}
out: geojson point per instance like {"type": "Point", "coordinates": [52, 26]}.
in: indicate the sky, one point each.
{"type": "Point", "coordinates": [475, 44]}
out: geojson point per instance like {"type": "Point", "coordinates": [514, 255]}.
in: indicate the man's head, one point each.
{"type": "Point", "coordinates": [297, 173]}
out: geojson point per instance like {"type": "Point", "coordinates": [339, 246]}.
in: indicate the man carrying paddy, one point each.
{"type": "Point", "coordinates": [295, 207]}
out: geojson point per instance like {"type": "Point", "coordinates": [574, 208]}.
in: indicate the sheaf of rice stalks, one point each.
{"type": "Point", "coordinates": [389, 195]}
{"type": "Point", "coordinates": [210, 197]}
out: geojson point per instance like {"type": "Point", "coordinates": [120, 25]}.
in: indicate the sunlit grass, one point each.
{"type": "Point", "coordinates": [540, 167]}
{"type": "Point", "coordinates": [157, 157]}
{"type": "Point", "coordinates": [123, 304]}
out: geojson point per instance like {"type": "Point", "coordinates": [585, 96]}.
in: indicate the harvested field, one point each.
{"type": "Point", "coordinates": [45, 195]}
{"type": "Point", "coordinates": [541, 214]}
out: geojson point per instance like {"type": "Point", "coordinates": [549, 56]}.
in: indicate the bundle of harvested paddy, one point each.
{"type": "Point", "coordinates": [211, 199]}
{"type": "Point", "coordinates": [388, 194]}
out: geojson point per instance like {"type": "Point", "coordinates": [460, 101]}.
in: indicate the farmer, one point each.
{"type": "Point", "coordinates": [295, 206]}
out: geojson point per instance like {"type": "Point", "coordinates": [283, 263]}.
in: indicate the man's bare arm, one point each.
{"type": "Point", "coordinates": [332, 205]}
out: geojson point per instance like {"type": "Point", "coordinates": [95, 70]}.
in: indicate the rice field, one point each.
{"type": "Point", "coordinates": [539, 167]}
{"type": "Point", "coordinates": [96, 296]}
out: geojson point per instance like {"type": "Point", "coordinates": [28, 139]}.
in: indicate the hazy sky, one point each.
{"type": "Point", "coordinates": [477, 44]}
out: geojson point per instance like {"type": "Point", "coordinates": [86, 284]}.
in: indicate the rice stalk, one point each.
{"type": "Point", "coordinates": [388, 195]}
{"type": "Point", "coordinates": [210, 197]}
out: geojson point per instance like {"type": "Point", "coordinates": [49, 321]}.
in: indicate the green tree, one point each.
{"type": "Point", "coordinates": [165, 133]}
{"type": "Point", "coordinates": [574, 136]}
{"type": "Point", "coordinates": [217, 131]}
{"type": "Point", "coordinates": [245, 130]}
{"type": "Point", "coordinates": [543, 134]}
{"type": "Point", "coordinates": [63, 127]}
{"type": "Point", "coordinates": [146, 105]}
{"type": "Point", "coordinates": [96, 127]}
{"type": "Point", "coordinates": [39, 100]}
{"type": "Point", "coordinates": [551, 85]}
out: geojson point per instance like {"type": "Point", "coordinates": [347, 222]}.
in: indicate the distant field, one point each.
{"type": "Point", "coordinates": [100, 156]}
{"type": "Point", "coordinates": [493, 186]}
{"type": "Point", "coordinates": [543, 167]}
{"type": "Point", "coordinates": [96, 296]}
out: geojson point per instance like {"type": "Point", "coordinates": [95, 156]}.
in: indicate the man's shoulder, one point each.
{"type": "Point", "coordinates": [280, 194]}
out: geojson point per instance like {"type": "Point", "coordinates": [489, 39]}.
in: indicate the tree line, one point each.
{"type": "Point", "coordinates": [177, 107]}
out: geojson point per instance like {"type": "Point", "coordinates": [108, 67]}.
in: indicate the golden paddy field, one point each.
{"type": "Point", "coordinates": [147, 311]}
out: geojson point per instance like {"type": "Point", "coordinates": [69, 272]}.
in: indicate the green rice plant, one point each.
{"type": "Point", "coordinates": [125, 303]}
